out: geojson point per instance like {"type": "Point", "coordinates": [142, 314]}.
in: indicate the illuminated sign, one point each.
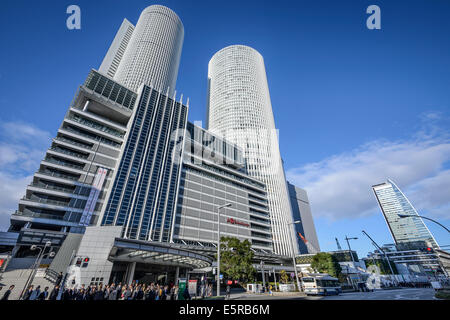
{"type": "Point", "coordinates": [234, 221]}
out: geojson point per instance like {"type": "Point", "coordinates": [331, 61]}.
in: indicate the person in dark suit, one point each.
{"type": "Point", "coordinates": [43, 295]}
{"type": "Point", "coordinates": [7, 293]}
{"type": "Point", "coordinates": [59, 279]}
{"type": "Point", "coordinates": [186, 294]}
{"type": "Point", "coordinates": [28, 293]}
{"type": "Point", "coordinates": [54, 293]}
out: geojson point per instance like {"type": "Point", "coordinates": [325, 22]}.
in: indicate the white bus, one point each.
{"type": "Point", "coordinates": [321, 284]}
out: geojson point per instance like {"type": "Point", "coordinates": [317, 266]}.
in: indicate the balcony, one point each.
{"type": "Point", "coordinates": [69, 153]}
{"type": "Point", "coordinates": [49, 187]}
{"type": "Point", "coordinates": [48, 201]}
{"type": "Point", "coordinates": [92, 137]}
{"type": "Point", "coordinates": [72, 142]}
{"type": "Point", "coordinates": [72, 217]}
{"type": "Point", "coordinates": [28, 213]}
{"type": "Point", "coordinates": [64, 163]}
{"type": "Point", "coordinates": [96, 126]}
{"type": "Point", "coordinates": [58, 175]}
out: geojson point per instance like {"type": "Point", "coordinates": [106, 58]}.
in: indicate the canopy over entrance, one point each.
{"type": "Point", "coordinates": [157, 253]}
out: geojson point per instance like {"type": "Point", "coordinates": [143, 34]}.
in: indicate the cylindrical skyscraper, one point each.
{"type": "Point", "coordinates": [153, 53]}
{"type": "Point", "coordinates": [239, 108]}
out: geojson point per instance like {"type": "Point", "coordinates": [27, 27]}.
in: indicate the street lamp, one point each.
{"type": "Point", "coordinates": [293, 254]}
{"type": "Point", "coordinates": [37, 263]}
{"type": "Point", "coordinates": [417, 216]}
{"type": "Point", "coordinates": [218, 245]}
{"type": "Point", "coordinates": [351, 254]}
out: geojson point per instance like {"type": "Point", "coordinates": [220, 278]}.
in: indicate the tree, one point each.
{"type": "Point", "coordinates": [382, 265]}
{"type": "Point", "coordinates": [324, 262]}
{"type": "Point", "coordinates": [236, 259]}
{"type": "Point", "coordinates": [284, 278]}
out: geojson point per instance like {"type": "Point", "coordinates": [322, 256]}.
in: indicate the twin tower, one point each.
{"type": "Point", "coordinates": [238, 102]}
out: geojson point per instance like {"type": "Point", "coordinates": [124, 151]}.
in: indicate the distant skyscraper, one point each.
{"type": "Point", "coordinates": [301, 210]}
{"type": "Point", "coordinates": [407, 232]}
{"type": "Point", "coordinates": [152, 55]}
{"type": "Point", "coordinates": [239, 108]}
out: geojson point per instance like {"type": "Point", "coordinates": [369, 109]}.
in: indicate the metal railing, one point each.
{"type": "Point", "coordinates": [96, 126]}
{"type": "Point", "coordinates": [62, 139]}
{"type": "Point", "coordinates": [93, 137]}
{"type": "Point", "coordinates": [69, 216]}
{"type": "Point", "coordinates": [59, 175]}
{"type": "Point", "coordinates": [47, 201]}
{"type": "Point", "coordinates": [70, 153]}
{"type": "Point", "coordinates": [39, 215]}
{"type": "Point", "coordinates": [64, 163]}
{"type": "Point", "coordinates": [51, 275]}
{"type": "Point", "coordinates": [51, 187]}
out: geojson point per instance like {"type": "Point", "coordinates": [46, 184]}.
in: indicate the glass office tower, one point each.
{"type": "Point", "coordinates": [301, 210]}
{"type": "Point", "coordinates": [408, 233]}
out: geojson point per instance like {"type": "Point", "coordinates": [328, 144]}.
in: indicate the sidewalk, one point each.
{"type": "Point", "coordinates": [275, 294]}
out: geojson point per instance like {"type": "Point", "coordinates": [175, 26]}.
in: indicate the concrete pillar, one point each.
{"type": "Point", "coordinates": [130, 272]}
{"type": "Point", "coordinates": [86, 105]}
{"type": "Point", "coordinates": [177, 275]}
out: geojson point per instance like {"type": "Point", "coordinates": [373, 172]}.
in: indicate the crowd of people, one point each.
{"type": "Point", "coordinates": [134, 291]}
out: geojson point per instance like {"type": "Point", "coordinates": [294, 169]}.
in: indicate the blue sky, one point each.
{"type": "Point", "coordinates": [353, 106]}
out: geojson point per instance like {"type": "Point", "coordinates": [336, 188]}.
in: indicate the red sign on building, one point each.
{"type": "Point", "coordinates": [234, 221]}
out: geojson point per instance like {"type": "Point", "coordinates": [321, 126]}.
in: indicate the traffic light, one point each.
{"type": "Point", "coordinates": [85, 262]}
{"type": "Point", "coordinates": [427, 250]}
{"type": "Point", "coordinates": [78, 263]}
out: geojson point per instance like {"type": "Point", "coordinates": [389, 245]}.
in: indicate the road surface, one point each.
{"type": "Point", "coordinates": [396, 294]}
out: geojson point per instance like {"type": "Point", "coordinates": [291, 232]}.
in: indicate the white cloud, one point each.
{"type": "Point", "coordinates": [22, 147]}
{"type": "Point", "coordinates": [340, 186]}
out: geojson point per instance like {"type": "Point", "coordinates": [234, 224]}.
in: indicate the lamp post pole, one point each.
{"type": "Point", "coordinates": [351, 254]}
{"type": "Point", "coordinates": [293, 255]}
{"type": "Point", "coordinates": [218, 245]}
{"type": "Point", "coordinates": [263, 276]}
{"type": "Point", "coordinates": [411, 216]}
{"type": "Point", "coordinates": [36, 264]}
{"type": "Point", "coordinates": [275, 279]}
